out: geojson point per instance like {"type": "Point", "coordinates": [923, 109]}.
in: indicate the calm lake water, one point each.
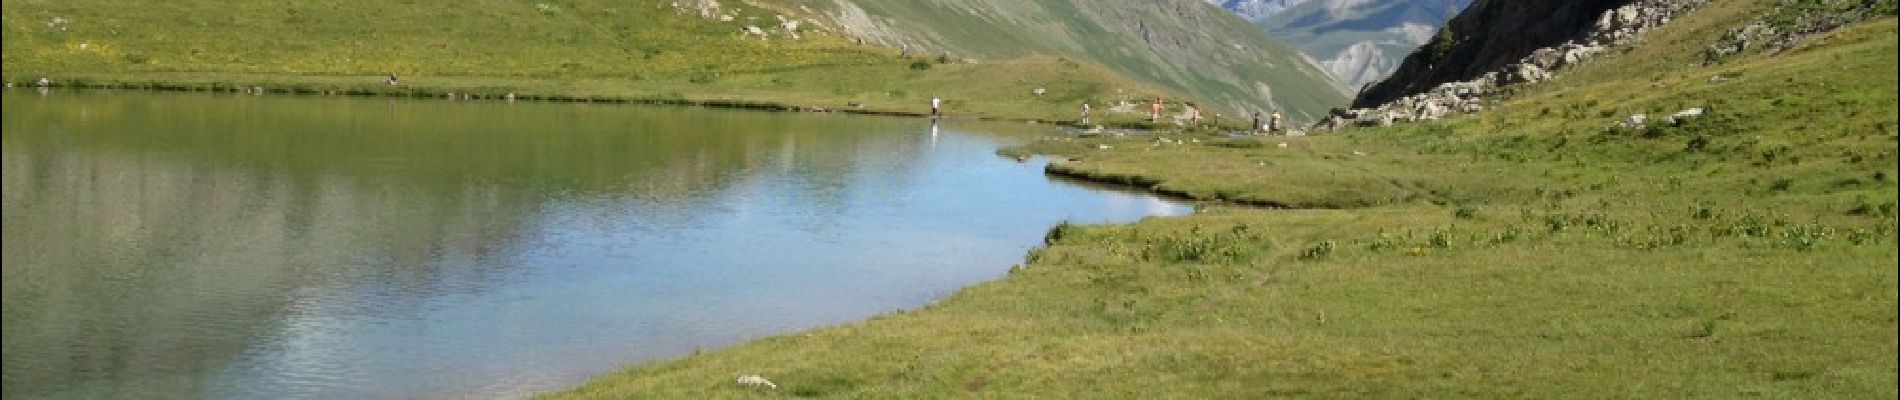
{"type": "Point", "coordinates": [226, 246]}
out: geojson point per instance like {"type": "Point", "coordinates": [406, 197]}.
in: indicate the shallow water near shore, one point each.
{"type": "Point", "coordinates": [236, 246]}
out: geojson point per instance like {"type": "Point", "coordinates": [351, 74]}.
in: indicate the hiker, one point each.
{"type": "Point", "coordinates": [1085, 113]}
{"type": "Point", "coordinates": [1194, 115]}
{"type": "Point", "coordinates": [1256, 122]}
{"type": "Point", "coordinates": [935, 105]}
{"type": "Point", "coordinates": [392, 80]}
{"type": "Point", "coordinates": [1274, 126]}
{"type": "Point", "coordinates": [1156, 116]}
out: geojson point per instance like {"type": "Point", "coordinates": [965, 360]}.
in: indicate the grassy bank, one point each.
{"type": "Point", "coordinates": [1534, 251]}
{"type": "Point", "coordinates": [1000, 90]}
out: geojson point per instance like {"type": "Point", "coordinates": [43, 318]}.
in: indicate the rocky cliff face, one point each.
{"type": "Point", "coordinates": [1497, 43]}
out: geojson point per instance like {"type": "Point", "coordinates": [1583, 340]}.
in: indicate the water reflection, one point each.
{"type": "Point", "coordinates": [264, 247]}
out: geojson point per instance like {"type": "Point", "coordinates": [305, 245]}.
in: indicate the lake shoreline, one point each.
{"type": "Point", "coordinates": [1067, 169]}
{"type": "Point", "coordinates": [510, 91]}
{"type": "Point", "coordinates": [1521, 252]}
{"type": "Point", "coordinates": [448, 94]}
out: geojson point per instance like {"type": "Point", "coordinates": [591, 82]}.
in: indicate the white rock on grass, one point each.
{"type": "Point", "coordinates": [1635, 121]}
{"type": "Point", "coordinates": [756, 381]}
{"type": "Point", "coordinates": [1680, 116]}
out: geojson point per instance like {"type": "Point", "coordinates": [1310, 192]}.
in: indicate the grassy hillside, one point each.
{"type": "Point", "coordinates": [636, 40]}
{"type": "Point", "coordinates": [1528, 252]}
{"type": "Point", "coordinates": [1184, 45]}
{"type": "Point", "coordinates": [574, 49]}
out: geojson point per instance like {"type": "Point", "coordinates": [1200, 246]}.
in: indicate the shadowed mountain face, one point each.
{"type": "Point", "coordinates": [1357, 41]}
{"type": "Point", "coordinates": [1485, 37]}
{"type": "Point", "coordinates": [1185, 45]}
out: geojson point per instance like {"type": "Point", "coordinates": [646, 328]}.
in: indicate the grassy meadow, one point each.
{"type": "Point", "coordinates": [1533, 251]}
{"type": "Point", "coordinates": [583, 50]}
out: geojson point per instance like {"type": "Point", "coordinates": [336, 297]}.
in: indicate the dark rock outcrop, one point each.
{"type": "Point", "coordinates": [1486, 37]}
{"type": "Point", "coordinates": [1430, 97]}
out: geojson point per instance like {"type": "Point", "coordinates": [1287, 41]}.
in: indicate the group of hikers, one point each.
{"type": "Point", "coordinates": [1274, 124]}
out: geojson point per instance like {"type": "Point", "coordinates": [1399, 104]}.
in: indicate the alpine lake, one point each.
{"type": "Point", "coordinates": [229, 246]}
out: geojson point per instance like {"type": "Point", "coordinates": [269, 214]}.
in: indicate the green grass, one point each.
{"type": "Point", "coordinates": [1528, 252]}
{"type": "Point", "coordinates": [339, 37]}
{"type": "Point", "coordinates": [571, 50]}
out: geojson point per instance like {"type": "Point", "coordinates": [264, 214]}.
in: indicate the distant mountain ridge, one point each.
{"type": "Point", "coordinates": [1186, 45]}
{"type": "Point", "coordinates": [1357, 41]}
{"type": "Point", "coordinates": [1256, 11]}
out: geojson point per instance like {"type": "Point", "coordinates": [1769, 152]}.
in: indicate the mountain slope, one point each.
{"type": "Point", "coordinates": [786, 51]}
{"type": "Point", "coordinates": [1181, 44]}
{"type": "Point", "coordinates": [1361, 41]}
{"type": "Point", "coordinates": [1357, 41]}
{"type": "Point", "coordinates": [1256, 11]}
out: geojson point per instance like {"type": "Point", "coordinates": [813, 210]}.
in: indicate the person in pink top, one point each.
{"type": "Point", "coordinates": [1156, 116]}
